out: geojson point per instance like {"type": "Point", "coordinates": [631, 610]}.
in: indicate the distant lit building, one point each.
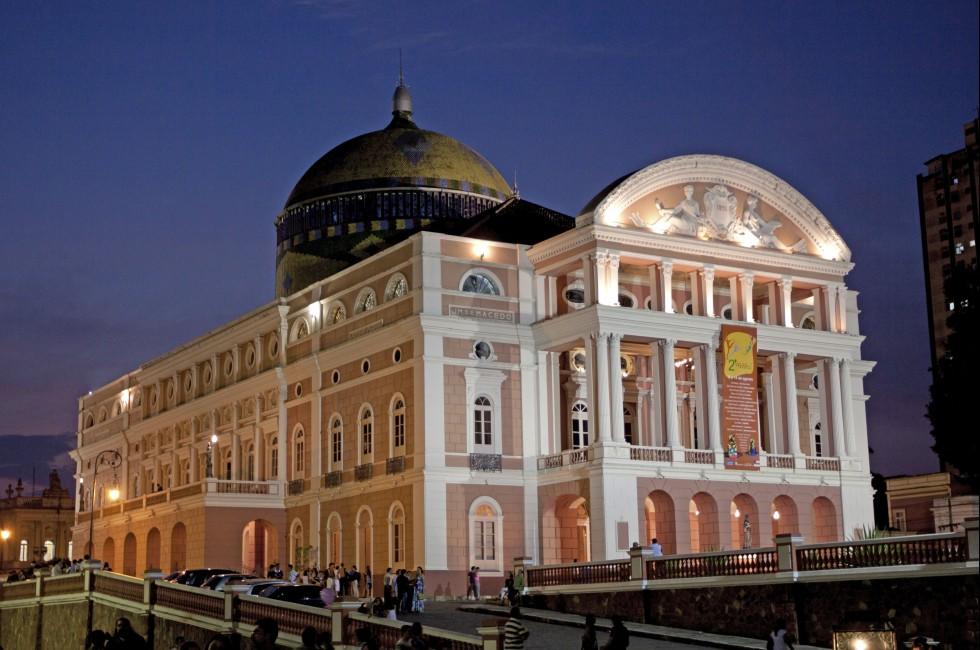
{"type": "Point", "coordinates": [929, 503]}
{"type": "Point", "coordinates": [39, 527]}
{"type": "Point", "coordinates": [948, 208]}
{"type": "Point", "coordinates": [452, 376]}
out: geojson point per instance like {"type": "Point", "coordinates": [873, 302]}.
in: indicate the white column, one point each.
{"type": "Point", "coordinates": [259, 438]}
{"type": "Point", "coordinates": [589, 287]}
{"type": "Point", "coordinates": [602, 398]}
{"type": "Point", "coordinates": [616, 389]}
{"type": "Point", "coordinates": [792, 415]}
{"type": "Point", "coordinates": [236, 446]}
{"type": "Point", "coordinates": [841, 308]}
{"type": "Point", "coordinates": [195, 461]}
{"type": "Point", "coordinates": [847, 402]}
{"type": "Point", "coordinates": [746, 281]}
{"type": "Point", "coordinates": [834, 395]}
{"type": "Point", "coordinates": [708, 287]}
{"type": "Point", "coordinates": [667, 280]}
{"type": "Point", "coordinates": [670, 392]}
{"type": "Point", "coordinates": [655, 288]}
{"type": "Point", "coordinates": [612, 279]}
{"type": "Point", "coordinates": [786, 313]}
{"type": "Point", "coordinates": [771, 421]}
{"type": "Point", "coordinates": [641, 436]}
{"type": "Point", "coordinates": [711, 374]}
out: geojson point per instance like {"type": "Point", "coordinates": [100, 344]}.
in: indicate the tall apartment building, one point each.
{"type": "Point", "coordinates": [948, 218]}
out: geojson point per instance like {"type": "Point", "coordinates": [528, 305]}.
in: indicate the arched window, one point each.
{"type": "Point", "coordinates": [338, 313]}
{"type": "Point", "coordinates": [228, 475]}
{"type": "Point", "coordinates": [482, 282]}
{"type": "Point", "coordinates": [301, 329]}
{"type": "Point", "coordinates": [398, 422]}
{"type": "Point", "coordinates": [336, 442]}
{"type": "Point", "coordinates": [482, 424]}
{"type": "Point", "coordinates": [486, 536]}
{"type": "Point", "coordinates": [22, 555]}
{"type": "Point", "coordinates": [366, 425]}
{"type": "Point", "coordinates": [48, 550]}
{"type": "Point", "coordinates": [396, 535]}
{"type": "Point", "coordinates": [274, 457]}
{"type": "Point", "coordinates": [580, 425]}
{"type": "Point", "coordinates": [299, 449]}
{"type": "Point", "coordinates": [397, 287]}
{"type": "Point", "coordinates": [250, 462]}
{"type": "Point", "coordinates": [297, 551]}
{"type": "Point", "coordinates": [334, 538]}
{"type": "Point", "coordinates": [366, 300]}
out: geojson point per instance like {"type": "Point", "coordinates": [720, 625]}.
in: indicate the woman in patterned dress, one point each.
{"type": "Point", "coordinates": [418, 602]}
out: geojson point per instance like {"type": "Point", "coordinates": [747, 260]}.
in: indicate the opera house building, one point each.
{"type": "Point", "coordinates": [450, 375]}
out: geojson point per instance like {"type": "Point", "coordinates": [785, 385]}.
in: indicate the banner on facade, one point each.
{"type": "Point", "coordinates": [740, 409]}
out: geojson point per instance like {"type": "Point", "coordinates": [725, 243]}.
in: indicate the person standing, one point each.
{"type": "Point", "coordinates": [619, 636]}
{"type": "Point", "coordinates": [355, 582]}
{"type": "Point", "coordinates": [515, 634]}
{"type": "Point", "coordinates": [126, 638]}
{"type": "Point", "coordinates": [403, 588]}
{"type": "Point", "coordinates": [655, 548]}
{"type": "Point", "coordinates": [779, 638]}
{"type": "Point", "coordinates": [389, 589]}
{"type": "Point", "coordinates": [470, 591]}
{"type": "Point", "coordinates": [590, 639]}
{"type": "Point", "coordinates": [368, 582]}
{"type": "Point", "coordinates": [418, 592]}
{"type": "Point", "coordinates": [476, 582]}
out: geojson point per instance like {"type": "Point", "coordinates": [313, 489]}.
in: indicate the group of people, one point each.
{"type": "Point", "coordinates": [57, 567]}
{"type": "Point", "coordinates": [404, 593]}
{"type": "Point", "coordinates": [124, 637]}
{"type": "Point", "coordinates": [342, 580]}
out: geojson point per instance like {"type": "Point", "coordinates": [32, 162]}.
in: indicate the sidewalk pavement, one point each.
{"type": "Point", "coordinates": [636, 629]}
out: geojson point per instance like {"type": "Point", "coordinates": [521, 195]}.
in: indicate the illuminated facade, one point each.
{"type": "Point", "coordinates": [505, 383]}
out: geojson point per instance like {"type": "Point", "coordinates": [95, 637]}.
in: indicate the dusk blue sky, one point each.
{"type": "Point", "coordinates": [147, 146]}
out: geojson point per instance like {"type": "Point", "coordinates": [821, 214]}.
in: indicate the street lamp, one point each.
{"type": "Point", "coordinates": [4, 536]}
{"type": "Point", "coordinates": [113, 459]}
{"type": "Point", "coordinates": [211, 443]}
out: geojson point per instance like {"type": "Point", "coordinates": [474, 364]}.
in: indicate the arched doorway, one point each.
{"type": "Point", "coordinates": [824, 520]}
{"type": "Point", "coordinates": [109, 552]}
{"type": "Point", "coordinates": [129, 555]}
{"type": "Point", "coordinates": [297, 551]}
{"type": "Point", "coordinates": [744, 508]}
{"type": "Point", "coordinates": [334, 538]}
{"type": "Point", "coordinates": [259, 549]}
{"type": "Point", "coordinates": [660, 521]}
{"type": "Point", "coordinates": [365, 538]}
{"type": "Point", "coordinates": [152, 549]}
{"type": "Point", "coordinates": [566, 527]}
{"type": "Point", "coordinates": [703, 519]}
{"type": "Point", "coordinates": [178, 547]}
{"type": "Point", "coordinates": [785, 519]}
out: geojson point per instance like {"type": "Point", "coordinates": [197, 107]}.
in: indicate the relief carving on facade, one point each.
{"type": "Point", "coordinates": [719, 219]}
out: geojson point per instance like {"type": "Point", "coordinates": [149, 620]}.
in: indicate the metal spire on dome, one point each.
{"type": "Point", "coordinates": [402, 99]}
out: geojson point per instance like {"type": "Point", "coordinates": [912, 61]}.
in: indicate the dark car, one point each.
{"type": "Point", "coordinates": [219, 580]}
{"type": "Point", "coordinates": [197, 577]}
{"type": "Point", "coordinates": [298, 594]}
{"type": "Point", "coordinates": [256, 587]}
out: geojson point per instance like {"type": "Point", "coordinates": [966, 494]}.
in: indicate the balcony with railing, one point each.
{"type": "Point", "coordinates": [333, 479]}
{"type": "Point", "coordinates": [395, 465]}
{"type": "Point", "coordinates": [364, 472]}
{"type": "Point", "coordinates": [486, 462]}
{"type": "Point", "coordinates": [296, 486]}
{"type": "Point", "coordinates": [565, 459]}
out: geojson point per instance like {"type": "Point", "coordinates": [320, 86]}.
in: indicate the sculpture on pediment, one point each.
{"type": "Point", "coordinates": [721, 210]}
{"type": "Point", "coordinates": [684, 218]}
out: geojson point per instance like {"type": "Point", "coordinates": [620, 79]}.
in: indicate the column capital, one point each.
{"type": "Point", "coordinates": [667, 342]}
{"type": "Point", "coordinates": [597, 336]}
{"type": "Point", "coordinates": [785, 281]}
{"type": "Point", "coordinates": [746, 276]}
{"type": "Point", "coordinates": [787, 355]}
{"type": "Point", "coordinates": [667, 265]}
{"type": "Point", "coordinates": [613, 260]}
{"type": "Point", "coordinates": [614, 336]}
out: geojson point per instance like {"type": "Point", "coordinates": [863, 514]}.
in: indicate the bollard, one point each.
{"type": "Point", "coordinates": [491, 632]}
{"type": "Point", "coordinates": [972, 526]}
{"type": "Point", "coordinates": [786, 544]}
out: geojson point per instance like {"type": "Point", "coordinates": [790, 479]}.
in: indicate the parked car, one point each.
{"type": "Point", "coordinates": [217, 581]}
{"type": "Point", "coordinates": [255, 587]}
{"type": "Point", "coordinates": [197, 577]}
{"type": "Point", "coordinates": [299, 594]}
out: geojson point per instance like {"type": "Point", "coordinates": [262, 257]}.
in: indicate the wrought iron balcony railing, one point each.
{"type": "Point", "coordinates": [486, 462]}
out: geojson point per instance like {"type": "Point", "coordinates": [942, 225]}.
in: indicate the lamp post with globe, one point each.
{"type": "Point", "coordinates": [111, 459]}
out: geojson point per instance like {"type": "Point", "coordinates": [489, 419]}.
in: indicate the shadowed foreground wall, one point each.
{"type": "Point", "coordinates": [945, 608]}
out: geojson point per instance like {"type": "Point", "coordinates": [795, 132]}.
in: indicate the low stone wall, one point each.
{"type": "Point", "coordinates": [943, 607]}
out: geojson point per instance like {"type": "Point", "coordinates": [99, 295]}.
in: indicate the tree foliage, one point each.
{"type": "Point", "coordinates": [954, 392]}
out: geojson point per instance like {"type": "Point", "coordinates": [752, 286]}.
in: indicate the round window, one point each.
{"type": "Point", "coordinates": [250, 357]}
{"type": "Point", "coordinates": [625, 300]}
{"type": "Point", "coordinates": [207, 374]}
{"type": "Point", "coordinates": [188, 382]}
{"type": "Point", "coordinates": [396, 355]}
{"type": "Point", "coordinates": [575, 295]}
{"type": "Point", "coordinates": [335, 377]}
{"type": "Point", "coordinates": [298, 389]}
{"type": "Point", "coordinates": [689, 308]}
{"type": "Point", "coordinates": [365, 366]}
{"type": "Point", "coordinates": [482, 350]}
{"type": "Point", "coordinates": [229, 365]}
{"type": "Point", "coordinates": [578, 361]}
{"type": "Point", "coordinates": [170, 390]}
{"type": "Point", "coordinates": [726, 312]}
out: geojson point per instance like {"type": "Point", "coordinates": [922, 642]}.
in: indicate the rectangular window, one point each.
{"type": "Point", "coordinates": [486, 540]}
{"type": "Point", "coordinates": [397, 534]}
{"type": "Point", "coordinates": [482, 427]}
{"type": "Point", "coordinates": [367, 441]}
{"type": "Point", "coordinates": [399, 429]}
{"type": "Point", "coordinates": [898, 520]}
{"type": "Point", "coordinates": [337, 446]}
